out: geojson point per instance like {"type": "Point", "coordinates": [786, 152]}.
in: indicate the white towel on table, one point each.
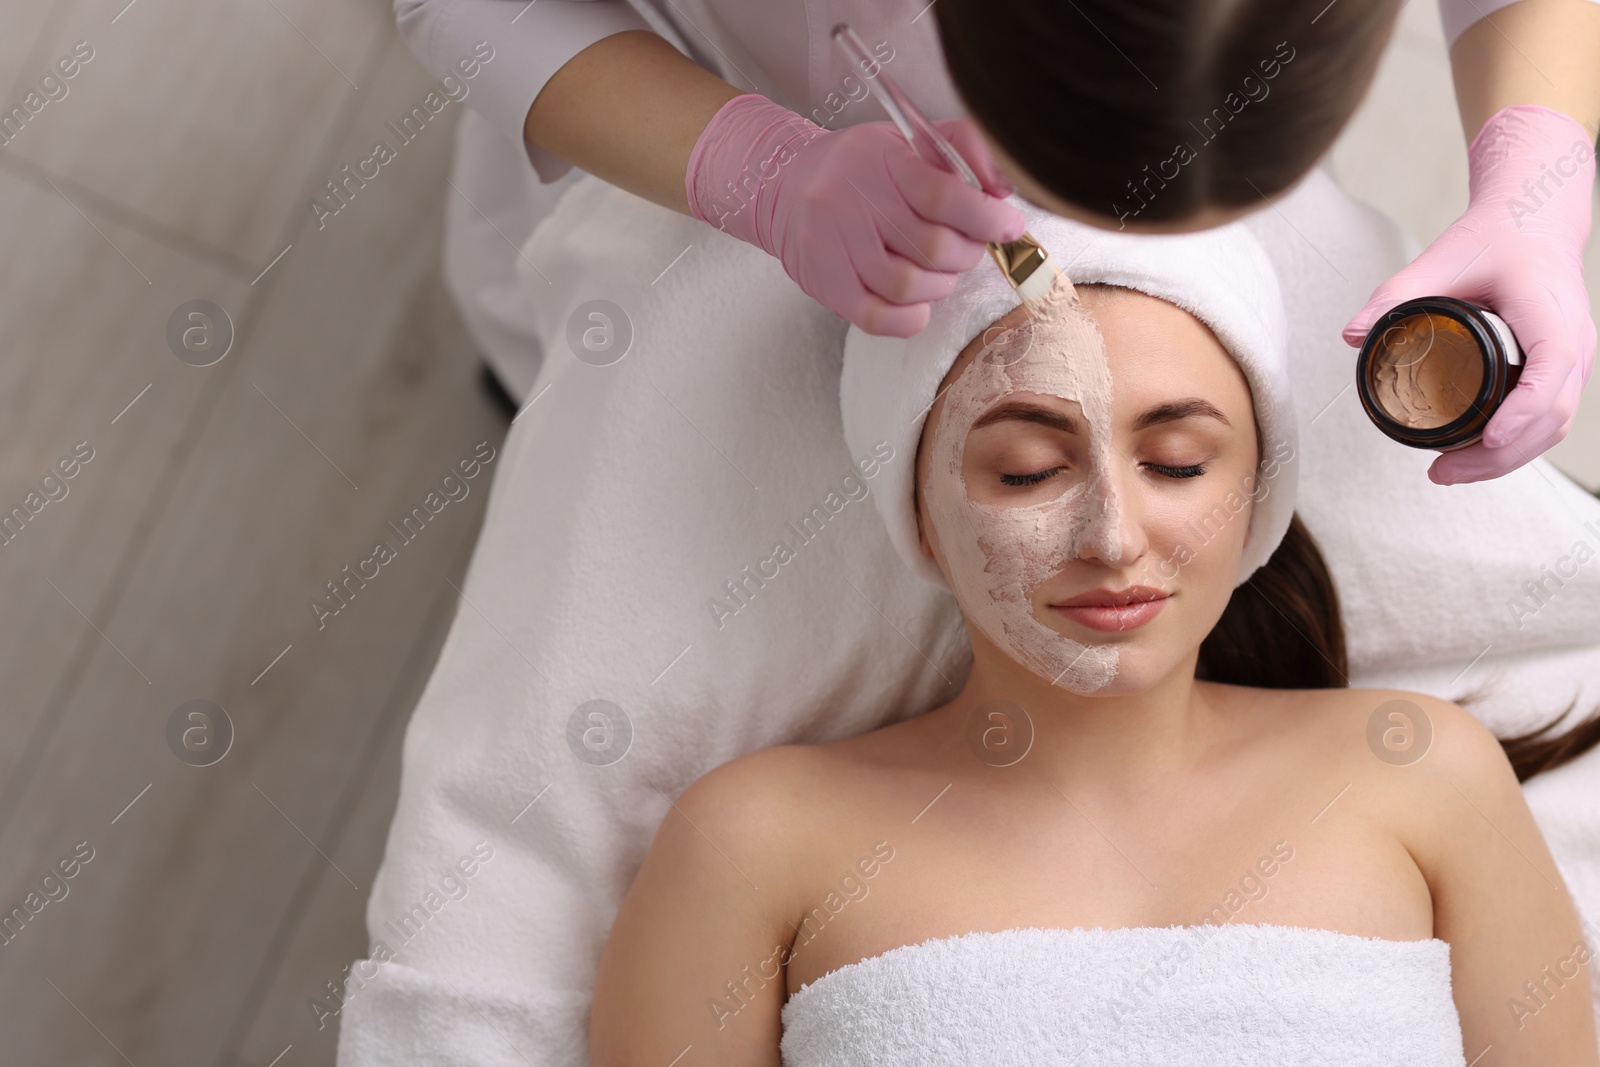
{"type": "Point", "coordinates": [629, 496]}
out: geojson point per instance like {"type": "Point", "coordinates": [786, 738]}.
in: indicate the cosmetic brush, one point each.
{"type": "Point", "coordinates": [1024, 262]}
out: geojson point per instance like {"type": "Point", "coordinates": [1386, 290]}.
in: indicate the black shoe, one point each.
{"type": "Point", "coordinates": [496, 391]}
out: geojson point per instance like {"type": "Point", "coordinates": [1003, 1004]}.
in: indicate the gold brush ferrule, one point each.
{"type": "Point", "coordinates": [1018, 259]}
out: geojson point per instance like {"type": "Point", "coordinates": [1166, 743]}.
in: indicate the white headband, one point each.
{"type": "Point", "coordinates": [1221, 276]}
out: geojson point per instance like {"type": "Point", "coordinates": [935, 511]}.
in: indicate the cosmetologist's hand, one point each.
{"type": "Point", "coordinates": [1518, 251]}
{"type": "Point", "coordinates": [861, 224]}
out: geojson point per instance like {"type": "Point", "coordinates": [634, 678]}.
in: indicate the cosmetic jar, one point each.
{"type": "Point", "coordinates": [1433, 370]}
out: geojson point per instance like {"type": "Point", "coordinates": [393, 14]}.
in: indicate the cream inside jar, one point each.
{"type": "Point", "coordinates": [1426, 371]}
{"type": "Point", "coordinates": [1433, 370]}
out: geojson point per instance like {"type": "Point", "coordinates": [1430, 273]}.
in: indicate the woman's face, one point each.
{"type": "Point", "coordinates": [1086, 487]}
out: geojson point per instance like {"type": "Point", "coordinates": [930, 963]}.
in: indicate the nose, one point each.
{"type": "Point", "coordinates": [1113, 533]}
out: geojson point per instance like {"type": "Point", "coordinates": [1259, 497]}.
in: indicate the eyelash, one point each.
{"type": "Point", "coordinates": [1194, 470]}
{"type": "Point", "coordinates": [1027, 479]}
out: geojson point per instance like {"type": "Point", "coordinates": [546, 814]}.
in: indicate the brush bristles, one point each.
{"type": "Point", "coordinates": [1044, 286]}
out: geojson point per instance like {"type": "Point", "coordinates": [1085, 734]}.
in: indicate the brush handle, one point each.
{"type": "Point", "coordinates": [1018, 260]}
{"type": "Point", "coordinates": [925, 139]}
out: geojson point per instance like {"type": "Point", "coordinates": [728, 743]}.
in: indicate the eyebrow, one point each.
{"type": "Point", "coordinates": [1172, 411]}
{"type": "Point", "coordinates": [1187, 408]}
{"type": "Point", "coordinates": [1022, 411]}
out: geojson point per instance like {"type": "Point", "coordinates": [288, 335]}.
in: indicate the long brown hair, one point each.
{"type": "Point", "coordinates": [1282, 630]}
{"type": "Point", "coordinates": [1160, 108]}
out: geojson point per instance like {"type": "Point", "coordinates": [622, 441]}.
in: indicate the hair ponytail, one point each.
{"type": "Point", "coordinates": [1282, 630]}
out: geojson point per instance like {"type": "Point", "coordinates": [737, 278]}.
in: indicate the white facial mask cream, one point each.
{"type": "Point", "coordinates": [998, 556]}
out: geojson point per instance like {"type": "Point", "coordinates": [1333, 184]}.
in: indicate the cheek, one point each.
{"type": "Point", "coordinates": [1198, 530]}
{"type": "Point", "coordinates": [1026, 545]}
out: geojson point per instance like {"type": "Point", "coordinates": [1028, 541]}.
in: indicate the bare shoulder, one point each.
{"type": "Point", "coordinates": [774, 784]}
{"type": "Point", "coordinates": [1441, 782]}
{"type": "Point", "coordinates": [1379, 728]}
{"type": "Point", "coordinates": [1405, 729]}
{"type": "Point", "coordinates": [759, 794]}
{"type": "Point", "coordinates": [1433, 770]}
{"type": "Point", "coordinates": [769, 808]}
{"type": "Point", "coordinates": [796, 806]}
{"type": "Point", "coordinates": [1416, 763]}
{"type": "Point", "coordinates": [704, 928]}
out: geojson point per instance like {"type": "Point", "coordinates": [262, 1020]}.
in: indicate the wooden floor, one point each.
{"type": "Point", "coordinates": [217, 501]}
{"type": "Point", "coordinates": [180, 563]}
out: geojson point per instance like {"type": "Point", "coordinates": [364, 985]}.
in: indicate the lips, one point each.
{"type": "Point", "coordinates": [1110, 610]}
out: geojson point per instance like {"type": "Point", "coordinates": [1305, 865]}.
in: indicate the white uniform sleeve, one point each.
{"type": "Point", "coordinates": [1457, 15]}
{"type": "Point", "coordinates": [531, 41]}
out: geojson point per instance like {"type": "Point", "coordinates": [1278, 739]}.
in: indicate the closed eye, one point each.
{"type": "Point", "coordinates": [1028, 479]}
{"type": "Point", "coordinates": [1194, 470]}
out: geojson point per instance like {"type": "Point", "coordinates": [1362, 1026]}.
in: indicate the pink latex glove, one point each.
{"type": "Point", "coordinates": [1518, 251]}
{"type": "Point", "coordinates": [860, 223]}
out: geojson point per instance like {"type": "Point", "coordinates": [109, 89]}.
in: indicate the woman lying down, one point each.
{"type": "Point", "coordinates": [1151, 825]}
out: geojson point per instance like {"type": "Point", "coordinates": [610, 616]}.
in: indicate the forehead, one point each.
{"type": "Point", "coordinates": [1153, 348]}
{"type": "Point", "coordinates": [1156, 353]}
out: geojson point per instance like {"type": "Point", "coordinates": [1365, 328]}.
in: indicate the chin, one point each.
{"type": "Point", "coordinates": [1138, 671]}
{"type": "Point", "coordinates": [1146, 656]}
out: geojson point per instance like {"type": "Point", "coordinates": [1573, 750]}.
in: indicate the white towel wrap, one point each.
{"type": "Point", "coordinates": [1180, 996]}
